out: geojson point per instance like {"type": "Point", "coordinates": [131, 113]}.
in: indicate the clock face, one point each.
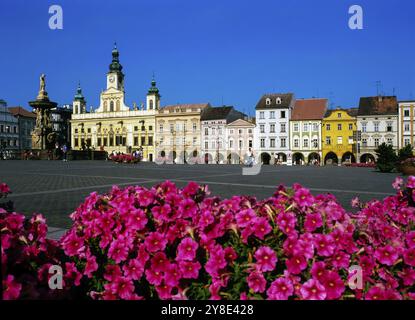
{"type": "Point", "coordinates": [112, 79]}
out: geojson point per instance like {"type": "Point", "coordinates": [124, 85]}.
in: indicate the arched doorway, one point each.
{"type": "Point", "coordinates": [348, 157]}
{"type": "Point", "coordinates": [331, 158]}
{"type": "Point", "coordinates": [314, 158]}
{"type": "Point", "coordinates": [233, 158]}
{"type": "Point", "coordinates": [208, 158]}
{"type": "Point", "coordinates": [298, 159]}
{"type": "Point", "coordinates": [281, 158]}
{"type": "Point", "coordinates": [163, 154]}
{"type": "Point", "coordinates": [367, 158]}
{"type": "Point", "coordinates": [265, 158]}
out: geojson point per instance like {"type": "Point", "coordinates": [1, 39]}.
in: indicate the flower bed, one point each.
{"type": "Point", "coordinates": [124, 158]}
{"type": "Point", "coordinates": [170, 243]}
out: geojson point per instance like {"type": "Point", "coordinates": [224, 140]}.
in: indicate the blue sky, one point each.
{"type": "Point", "coordinates": [229, 51]}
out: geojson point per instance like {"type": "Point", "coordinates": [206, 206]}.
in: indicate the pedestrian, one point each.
{"type": "Point", "coordinates": [64, 151]}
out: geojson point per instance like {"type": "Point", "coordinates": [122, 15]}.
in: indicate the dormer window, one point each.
{"type": "Point", "coordinates": [278, 100]}
{"type": "Point", "coordinates": [268, 101]}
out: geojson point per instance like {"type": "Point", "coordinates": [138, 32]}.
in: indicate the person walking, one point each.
{"type": "Point", "coordinates": [64, 151]}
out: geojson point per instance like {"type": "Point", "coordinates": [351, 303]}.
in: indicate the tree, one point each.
{"type": "Point", "coordinates": [405, 153]}
{"type": "Point", "coordinates": [387, 158]}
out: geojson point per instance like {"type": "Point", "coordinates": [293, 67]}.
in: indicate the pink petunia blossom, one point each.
{"type": "Point", "coordinates": [72, 244]}
{"type": "Point", "coordinates": [123, 287]}
{"type": "Point", "coordinates": [230, 254]}
{"type": "Point", "coordinates": [286, 222]}
{"type": "Point", "coordinates": [91, 266]}
{"type": "Point", "coordinates": [312, 222]}
{"type": "Point", "coordinates": [245, 217]}
{"type": "Point", "coordinates": [256, 281]}
{"type": "Point", "coordinates": [155, 242]}
{"type": "Point", "coordinates": [145, 198]}
{"type": "Point", "coordinates": [281, 289]}
{"type": "Point", "coordinates": [313, 290]}
{"type": "Point", "coordinates": [187, 249]}
{"type": "Point", "coordinates": [172, 275]}
{"type": "Point", "coordinates": [324, 244]}
{"type": "Point", "coordinates": [334, 285]}
{"type": "Point", "coordinates": [133, 270]}
{"type": "Point", "coordinates": [118, 250]}
{"type": "Point", "coordinates": [410, 239]}
{"type": "Point", "coordinates": [296, 264]}
{"type": "Point", "coordinates": [136, 220]}
{"type": "Point", "coordinates": [112, 272]}
{"type": "Point", "coordinates": [11, 288]}
{"type": "Point", "coordinates": [159, 262]}
{"type": "Point", "coordinates": [303, 197]}
{"type": "Point", "coordinates": [410, 182]}
{"type": "Point", "coordinates": [397, 184]}
{"type": "Point", "coordinates": [318, 270]}
{"type": "Point", "coordinates": [409, 257]}
{"type": "Point", "coordinates": [261, 227]}
{"type": "Point", "coordinates": [386, 255]}
{"type": "Point", "coordinates": [164, 291]}
{"type": "Point", "coordinates": [154, 277]}
{"type": "Point", "coordinates": [266, 259]}
{"type": "Point", "coordinates": [216, 262]}
{"type": "Point", "coordinates": [189, 269]}
{"type": "Point", "coordinates": [375, 293]}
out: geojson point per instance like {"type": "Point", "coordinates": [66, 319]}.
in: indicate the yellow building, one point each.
{"type": "Point", "coordinates": [178, 132]}
{"type": "Point", "coordinates": [339, 126]}
{"type": "Point", "coordinates": [114, 126]}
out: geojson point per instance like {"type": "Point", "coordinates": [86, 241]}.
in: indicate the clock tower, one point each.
{"type": "Point", "coordinates": [115, 77]}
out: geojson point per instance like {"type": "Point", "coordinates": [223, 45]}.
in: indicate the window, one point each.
{"type": "Point", "coordinates": [76, 130]}
{"type": "Point", "coordinates": [136, 141]}
{"type": "Point", "coordinates": [214, 131]}
{"type": "Point", "coordinates": [241, 145]}
{"type": "Point", "coordinates": [389, 141]}
{"type": "Point", "coordinates": [305, 143]}
{"type": "Point", "coordinates": [376, 124]}
{"type": "Point", "coordinates": [99, 141]}
{"type": "Point", "coordinates": [194, 127]}
{"type": "Point", "coordinates": [305, 127]}
{"type": "Point", "coordinates": [150, 140]}
{"type": "Point", "coordinates": [406, 127]}
{"type": "Point", "coordinates": [272, 143]}
{"type": "Point", "coordinates": [171, 127]}
{"type": "Point", "coordinates": [364, 127]}
{"type": "Point", "coordinates": [206, 131]}
{"type": "Point", "coordinates": [206, 145]}
{"type": "Point", "coordinates": [231, 144]}
{"type": "Point", "coordinates": [143, 141]}
{"type": "Point", "coordinates": [295, 127]}
{"type": "Point", "coordinates": [315, 127]}
{"type": "Point", "coordinates": [76, 142]}
{"type": "Point", "coordinates": [161, 141]}
{"type": "Point", "coordinates": [178, 127]}
{"type": "Point", "coordinates": [150, 128]}
{"type": "Point", "coordinates": [194, 141]}
{"type": "Point", "coordinates": [262, 128]}
{"type": "Point", "coordinates": [213, 144]}
{"type": "Point", "coordinates": [296, 143]}
{"type": "Point", "coordinates": [272, 128]}
{"type": "Point", "coordinates": [364, 142]}
{"type": "Point", "coordinates": [220, 131]}
{"type": "Point", "coordinates": [282, 114]}
{"type": "Point", "coordinates": [376, 142]}
{"type": "Point", "coordinates": [283, 142]}
{"type": "Point", "coordinates": [262, 143]}
{"type": "Point", "coordinates": [339, 115]}
{"type": "Point", "coordinates": [350, 126]}
{"type": "Point", "coordinates": [272, 115]}
{"type": "Point", "coordinates": [283, 128]}
{"type": "Point", "coordinates": [111, 106]}
{"type": "Point", "coordinates": [315, 143]}
{"type": "Point", "coordinates": [389, 127]}
{"type": "Point", "coordinates": [250, 144]}
{"type": "Point", "coordinates": [351, 140]}
{"type": "Point", "coordinates": [328, 127]}
{"type": "Point", "coordinates": [151, 105]}
{"type": "Point", "coordinates": [89, 130]}
{"type": "Point", "coordinates": [262, 115]}
{"type": "Point", "coordinates": [161, 128]}
{"type": "Point", "coordinates": [135, 128]}
{"type": "Point", "coordinates": [339, 127]}
{"type": "Point", "coordinates": [406, 113]}
{"type": "Point", "coordinates": [407, 142]}
{"type": "Point", "coordinates": [250, 131]}
{"type": "Point", "coordinates": [105, 141]}
{"type": "Point", "coordinates": [328, 141]}
{"type": "Point", "coordinates": [240, 131]}
{"type": "Point", "coordinates": [278, 100]}
{"type": "Point", "coordinates": [268, 101]}
{"type": "Point", "coordinates": [339, 140]}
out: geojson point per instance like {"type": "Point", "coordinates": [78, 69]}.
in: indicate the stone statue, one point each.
{"type": "Point", "coordinates": [135, 106]}
{"type": "Point", "coordinates": [42, 83]}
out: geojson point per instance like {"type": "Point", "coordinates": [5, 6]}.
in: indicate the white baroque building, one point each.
{"type": "Point", "coordinates": [272, 136]}
{"type": "Point", "coordinates": [406, 123]}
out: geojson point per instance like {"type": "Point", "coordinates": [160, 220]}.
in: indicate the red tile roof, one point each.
{"type": "Point", "coordinates": [19, 111]}
{"type": "Point", "coordinates": [309, 109]}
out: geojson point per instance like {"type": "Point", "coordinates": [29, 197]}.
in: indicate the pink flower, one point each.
{"type": "Point", "coordinates": [324, 244]}
{"type": "Point", "coordinates": [187, 208]}
{"type": "Point", "coordinates": [266, 259]}
{"type": "Point", "coordinates": [409, 257]}
{"type": "Point", "coordinates": [334, 285]}
{"type": "Point", "coordinates": [172, 275]}
{"type": "Point", "coordinates": [230, 255]}
{"type": "Point", "coordinates": [286, 222]}
{"type": "Point", "coordinates": [11, 288]}
{"type": "Point", "coordinates": [123, 287]}
{"type": "Point", "coordinates": [118, 251]}
{"type": "Point", "coordinates": [161, 213]}
{"type": "Point", "coordinates": [386, 255]}
{"type": "Point", "coordinates": [375, 293]}
{"type": "Point", "coordinates": [245, 217]}
{"type": "Point", "coordinates": [187, 249]}
{"type": "Point", "coordinates": [145, 198]}
{"type": "Point", "coordinates": [296, 264]}
{"type": "Point", "coordinates": [312, 222]}
{"type": "Point", "coordinates": [154, 277]}
{"type": "Point", "coordinates": [112, 272]}
{"type": "Point", "coordinates": [303, 197]}
{"type": "Point", "coordinates": [318, 270]}
{"type": "Point", "coordinates": [136, 220]}
{"type": "Point", "coordinates": [256, 281]}
{"type": "Point", "coordinates": [133, 270]}
{"type": "Point", "coordinates": [91, 266]}
{"type": "Point", "coordinates": [159, 262]}
{"type": "Point", "coordinates": [72, 244]}
{"type": "Point", "coordinates": [164, 291]}
{"type": "Point", "coordinates": [155, 242]}
{"type": "Point", "coordinates": [313, 290]}
{"type": "Point", "coordinates": [410, 239]}
{"type": "Point", "coordinates": [397, 184]}
{"type": "Point", "coordinates": [261, 227]}
{"type": "Point", "coordinates": [411, 182]}
{"type": "Point", "coordinates": [280, 289]}
{"type": "Point", "coordinates": [191, 189]}
{"type": "Point", "coordinates": [72, 273]}
{"type": "Point", "coordinates": [216, 262]}
{"type": "Point", "coordinates": [189, 270]}
{"type": "Point", "coordinates": [355, 202]}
